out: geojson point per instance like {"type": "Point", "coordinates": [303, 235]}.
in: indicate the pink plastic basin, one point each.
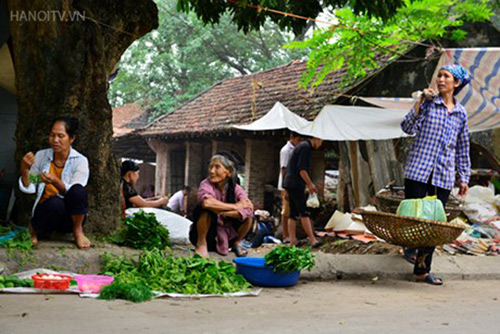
{"type": "Point", "coordinates": [92, 283]}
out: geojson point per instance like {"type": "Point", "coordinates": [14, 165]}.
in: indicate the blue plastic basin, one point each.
{"type": "Point", "coordinates": [257, 273]}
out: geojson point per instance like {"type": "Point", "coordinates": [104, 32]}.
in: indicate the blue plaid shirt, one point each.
{"type": "Point", "coordinates": [441, 142]}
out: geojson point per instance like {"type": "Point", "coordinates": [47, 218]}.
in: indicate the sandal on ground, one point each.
{"type": "Point", "coordinates": [239, 251]}
{"type": "Point", "coordinates": [316, 244]}
{"type": "Point", "coordinates": [430, 279]}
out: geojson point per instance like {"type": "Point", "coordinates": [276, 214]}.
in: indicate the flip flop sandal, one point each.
{"type": "Point", "coordinates": [240, 251]}
{"type": "Point", "coordinates": [430, 279]}
{"type": "Point", "coordinates": [316, 244]}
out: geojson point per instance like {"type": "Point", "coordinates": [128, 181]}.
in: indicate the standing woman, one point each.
{"type": "Point", "coordinates": [224, 213]}
{"type": "Point", "coordinates": [441, 146]}
{"type": "Point", "coordinates": [61, 201]}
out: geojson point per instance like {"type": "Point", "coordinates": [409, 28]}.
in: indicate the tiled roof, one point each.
{"type": "Point", "coordinates": [243, 99]}
{"type": "Point", "coordinates": [127, 118]}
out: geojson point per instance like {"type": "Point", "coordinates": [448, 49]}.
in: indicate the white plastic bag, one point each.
{"type": "Point", "coordinates": [480, 204]}
{"type": "Point", "coordinates": [312, 201]}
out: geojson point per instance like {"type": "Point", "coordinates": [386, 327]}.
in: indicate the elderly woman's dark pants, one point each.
{"type": "Point", "coordinates": [55, 213]}
{"type": "Point", "coordinates": [415, 189]}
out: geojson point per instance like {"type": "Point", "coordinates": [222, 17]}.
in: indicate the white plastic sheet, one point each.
{"type": "Point", "coordinates": [339, 123]}
{"type": "Point", "coordinates": [177, 226]}
{"type": "Point", "coordinates": [279, 117]}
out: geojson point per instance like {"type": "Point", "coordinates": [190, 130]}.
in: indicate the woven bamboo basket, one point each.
{"type": "Point", "coordinates": [409, 231]}
{"type": "Point", "coordinates": [388, 201]}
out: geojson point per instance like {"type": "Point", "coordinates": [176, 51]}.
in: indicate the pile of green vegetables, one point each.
{"type": "Point", "coordinates": [168, 274]}
{"type": "Point", "coordinates": [142, 231]}
{"type": "Point", "coordinates": [290, 259]}
{"type": "Point", "coordinates": [15, 282]}
{"type": "Point", "coordinates": [15, 237]}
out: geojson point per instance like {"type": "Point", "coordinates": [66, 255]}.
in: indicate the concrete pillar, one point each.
{"type": "Point", "coordinates": [194, 164]}
{"type": "Point", "coordinates": [162, 166]}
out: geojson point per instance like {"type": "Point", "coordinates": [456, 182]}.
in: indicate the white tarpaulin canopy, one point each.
{"type": "Point", "coordinates": [336, 122]}
{"type": "Point", "coordinates": [481, 98]}
{"type": "Point", "coordinates": [279, 117]}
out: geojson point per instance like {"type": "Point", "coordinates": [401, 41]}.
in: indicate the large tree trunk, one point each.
{"type": "Point", "coordinates": [62, 68]}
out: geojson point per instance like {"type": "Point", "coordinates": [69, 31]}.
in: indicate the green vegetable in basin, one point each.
{"type": "Point", "coordinates": [290, 259]}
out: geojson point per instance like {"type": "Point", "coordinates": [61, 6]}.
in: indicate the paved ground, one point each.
{"type": "Point", "coordinates": [362, 306]}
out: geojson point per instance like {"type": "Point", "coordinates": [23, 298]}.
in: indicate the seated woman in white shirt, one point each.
{"type": "Point", "coordinates": [179, 201]}
{"type": "Point", "coordinates": [61, 176]}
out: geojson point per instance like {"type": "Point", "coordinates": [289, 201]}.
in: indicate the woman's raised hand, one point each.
{"type": "Point", "coordinates": [48, 178]}
{"type": "Point", "coordinates": [27, 162]}
{"type": "Point", "coordinates": [428, 94]}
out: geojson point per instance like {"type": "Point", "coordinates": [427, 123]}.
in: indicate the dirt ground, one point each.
{"type": "Point", "coordinates": [309, 307]}
{"type": "Point", "coordinates": [343, 246]}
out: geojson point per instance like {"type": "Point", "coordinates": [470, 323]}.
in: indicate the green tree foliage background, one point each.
{"type": "Point", "coordinates": [184, 57]}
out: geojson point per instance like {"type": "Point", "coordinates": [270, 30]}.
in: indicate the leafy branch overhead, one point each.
{"type": "Point", "coordinates": [245, 16]}
{"type": "Point", "coordinates": [360, 42]}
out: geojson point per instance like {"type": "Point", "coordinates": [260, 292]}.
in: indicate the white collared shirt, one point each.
{"type": "Point", "coordinates": [285, 155]}
{"type": "Point", "coordinates": [76, 171]}
{"type": "Point", "coordinates": [176, 202]}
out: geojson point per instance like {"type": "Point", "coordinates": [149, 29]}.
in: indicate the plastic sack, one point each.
{"type": "Point", "coordinates": [177, 226]}
{"type": "Point", "coordinates": [429, 208]}
{"type": "Point", "coordinates": [312, 201]}
{"type": "Point", "coordinates": [480, 204]}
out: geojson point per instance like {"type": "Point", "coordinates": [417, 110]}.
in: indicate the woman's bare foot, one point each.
{"type": "Point", "coordinates": [82, 241]}
{"type": "Point", "coordinates": [34, 237]}
{"type": "Point", "coordinates": [202, 251]}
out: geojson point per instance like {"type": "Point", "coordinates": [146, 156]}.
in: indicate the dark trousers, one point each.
{"type": "Point", "coordinates": [415, 189]}
{"type": "Point", "coordinates": [55, 213]}
{"type": "Point", "coordinates": [212, 230]}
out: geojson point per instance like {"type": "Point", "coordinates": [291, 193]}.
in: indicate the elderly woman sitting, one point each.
{"type": "Point", "coordinates": [224, 213]}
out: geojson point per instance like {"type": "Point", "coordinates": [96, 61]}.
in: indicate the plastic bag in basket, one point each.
{"type": "Point", "coordinates": [425, 208]}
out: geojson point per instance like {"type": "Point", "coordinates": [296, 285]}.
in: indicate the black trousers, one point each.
{"type": "Point", "coordinates": [415, 189]}
{"type": "Point", "coordinates": [55, 213]}
{"type": "Point", "coordinates": [212, 230]}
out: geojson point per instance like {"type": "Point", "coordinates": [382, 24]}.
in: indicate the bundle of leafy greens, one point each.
{"type": "Point", "coordinates": [136, 292]}
{"type": "Point", "coordinates": [168, 274]}
{"type": "Point", "coordinates": [35, 178]}
{"type": "Point", "coordinates": [142, 231]}
{"type": "Point", "coordinates": [290, 259]}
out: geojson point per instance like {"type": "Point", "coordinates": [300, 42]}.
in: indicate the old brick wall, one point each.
{"type": "Point", "coordinates": [261, 167]}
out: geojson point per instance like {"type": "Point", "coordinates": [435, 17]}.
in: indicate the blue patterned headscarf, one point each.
{"type": "Point", "coordinates": [458, 73]}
